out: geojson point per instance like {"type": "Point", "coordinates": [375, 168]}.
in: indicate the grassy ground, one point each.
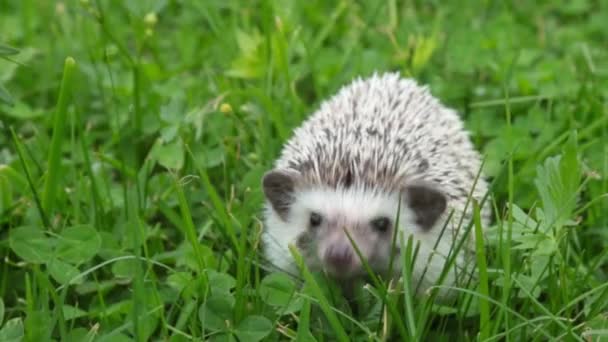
{"type": "Point", "coordinates": [129, 175]}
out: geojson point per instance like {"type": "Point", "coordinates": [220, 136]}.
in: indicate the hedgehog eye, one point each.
{"type": "Point", "coordinates": [381, 224]}
{"type": "Point", "coordinates": [315, 219]}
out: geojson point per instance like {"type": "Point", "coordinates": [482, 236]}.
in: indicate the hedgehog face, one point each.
{"type": "Point", "coordinates": [334, 221]}
{"type": "Point", "coordinates": [324, 222]}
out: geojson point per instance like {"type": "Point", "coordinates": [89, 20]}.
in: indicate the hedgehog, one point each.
{"type": "Point", "coordinates": [381, 157]}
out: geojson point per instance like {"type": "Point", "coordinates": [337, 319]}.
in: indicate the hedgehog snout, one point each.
{"type": "Point", "coordinates": [339, 255]}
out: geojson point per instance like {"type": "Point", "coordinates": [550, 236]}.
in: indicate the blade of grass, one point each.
{"type": "Point", "coordinates": [384, 328]}
{"type": "Point", "coordinates": [6, 50]}
{"type": "Point", "coordinates": [335, 323]}
{"type": "Point", "coordinates": [95, 196]}
{"type": "Point", "coordinates": [408, 296]}
{"type": "Point", "coordinates": [51, 184]}
{"type": "Point", "coordinates": [242, 269]}
{"type": "Point", "coordinates": [543, 308]}
{"type": "Point", "coordinates": [505, 246]}
{"type": "Point", "coordinates": [6, 193]}
{"type": "Point", "coordinates": [216, 201]}
{"type": "Point", "coordinates": [228, 231]}
{"type": "Point", "coordinates": [304, 323]}
{"type": "Point", "coordinates": [13, 176]}
{"type": "Point", "coordinates": [484, 307]}
{"type": "Point", "coordinates": [513, 100]}
{"type": "Point", "coordinates": [501, 305]}
{"type": "Point", "coordinates": [5, 96]}
{"type": "Point", "coordinates": [380, 285]}
{"type": "Point", "coordinates": [41, 211]}
{"type": "Point", "coordinates": [188, 225]}
{"type": "Point", "coordinates": [329, 25]}
{"type": "Point", "coordinates": [137, 240]}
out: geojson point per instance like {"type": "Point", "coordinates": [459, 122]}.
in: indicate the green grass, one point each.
{"type": "Point", "coordinates": [135, 135]}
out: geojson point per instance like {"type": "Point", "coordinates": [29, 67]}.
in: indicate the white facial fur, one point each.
{"type": "Point", "coordinates": [353, 209]}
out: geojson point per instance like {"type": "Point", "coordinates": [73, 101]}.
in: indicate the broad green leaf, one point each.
{"type": "Point", "coordinates": [249, 63]}
{"type": "Point", "coordinates": [539, 243]}
{"type": "Point", "coordinates": [424, 49]}
{"type": "Point", "coordinates": [79, 334]}
{"type": "Point", "coordinates": [179, 280]}
{"type": "Point", "coordinates": [168, 133]}
{"type": "Point", "coordinates": [123, 307]}
{"type": "Point", "coordinates": [557, 182]}
{"type": "Point", "coordinates": [529, 241]}
{"type": "Point", "coordinates": [124, 268]}
{"type": "Point", "coordinates": [444, 310]}
{"type": "Point", "coordinates": [210, 156]}
{"type": "Point", "coordinates": [529, 284]}
{"type": "Point", "coordinates": [196, 118]}
{"type": "Point", "coordinates": [520, 216]}
{"type": "Point", "coordinates": [539, 264]}
{"type": "Point", "coordinates": [78, 244]}
{"type": "Point", "coordinates": [5, 96]}
{"type": "Point", "coordinates": [252, 178]}
{"type": "Point", "coordinates": [216, 311]}
{"type": "Point", "coordinates": [253, 328]}
{"type": "Point", "coordinates": [147, 324]}
{"type": "Point", "coordinates": [1, 311]}
{"type": "Point", "coordinates": [9, 69]}
{"type": "Point", "coordinates": [189, 258]}
{"type": "Point", "coordinates": [178, 338]}
{"type": "Point", "coordinates": [31, 244]}
{"type": "Point", "coordinates": [248, 42]}
{"type": "Point", "coordinates": [13, 176]}
{"type": "Point", "coordinates": [6, 193]}
{"type": "Point", "coordinates": [6, 50]}
{"type": "Point", "coordinates": [88, 287]}
{"type": "Point", "coordinates": [110, 245]}
{"type": "Point", "coordinates": [12, 331]}
{"type": "Point", "coordinates": [278, 290]}
{"type": "Point", "coordinates": [169, 155]}
{"type": "Point", "coordinates": [71, 312]}
{"type": "Point", "coordinates": [172, 114]}
{"type": "Point", "coordinates": [111, 337]}
{"type": "Point", "coordinates": [22, 111]}
{"type": "Point", "coordinates": [220, 282]}
{"type": "Point", "coordinates": [38, 325]}
{"type": "Point", "coordinates": [63, 272]}
{"type": "Point", "coordinates": [227, 337]}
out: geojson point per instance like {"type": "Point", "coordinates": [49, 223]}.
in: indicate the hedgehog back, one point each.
{"type": "Point", "coordinates": [378, 134]}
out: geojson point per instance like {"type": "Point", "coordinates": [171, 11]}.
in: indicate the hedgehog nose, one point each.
{"type": "Point", "coordinates": [339, 255]}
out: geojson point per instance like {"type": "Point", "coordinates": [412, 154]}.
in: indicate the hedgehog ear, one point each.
{"type": "Point", "coordinates": [426, 201]}
{"type": "Point", "coordinates": [279, 186]}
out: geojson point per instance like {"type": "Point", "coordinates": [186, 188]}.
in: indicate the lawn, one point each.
{"type": "Point", "coordinates": [135, 135]}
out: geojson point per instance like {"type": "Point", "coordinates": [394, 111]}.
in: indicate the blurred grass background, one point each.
{"type": "Point", "coordinates": [129, 191]}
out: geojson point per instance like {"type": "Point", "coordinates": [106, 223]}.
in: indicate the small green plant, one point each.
{"type": "Point", "coordinates": [6, 51]}
{"type": "Point", "coordinates": [11, 330]}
